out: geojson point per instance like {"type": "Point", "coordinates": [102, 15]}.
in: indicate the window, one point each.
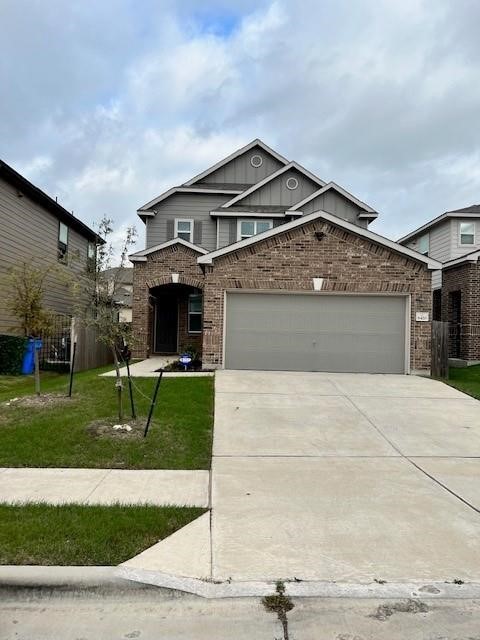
{"type": "Point", "coordinates": [184, 229]}
{"type": "Point", "coordinates": [249, 228]}
{"type": "Point", "coordinates": [467, 233]}
{"type": "Point", "coordinates": [91, 256]}
{"type": "Point", "coordinates": [423, 244]}
{"type": "Point", "coordinates": [195, 313]}
{"type": "Point", "coordinates": [62, 242]}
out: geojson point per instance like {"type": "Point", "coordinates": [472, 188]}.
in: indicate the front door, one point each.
{"type": "Point", "coordinates": [166, 325]}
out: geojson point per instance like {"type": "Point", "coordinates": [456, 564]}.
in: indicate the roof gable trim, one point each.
{"type": "Point", "coordinates": [341, 191]}
{"type": "Point", "coordinates": [339, 222]}
{"type": "Point", "coordinates": [141, 256]}
{"type": "Point", "coordinates": [428, 225]}
{"type": "Point", "coordinates": [173, 190]}
{"type": "Point", "coordinates": [236, 154]}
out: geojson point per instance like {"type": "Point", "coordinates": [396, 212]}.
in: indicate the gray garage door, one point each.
{"type": "Point", "coordinates": [285, 332]}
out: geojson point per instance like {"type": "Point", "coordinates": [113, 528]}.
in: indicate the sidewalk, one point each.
{"type": "Point", "coordinates": [105, 486]}
{"type": "Point", "coordinates": [149, 369]}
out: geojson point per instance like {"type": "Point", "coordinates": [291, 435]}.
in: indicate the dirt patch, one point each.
{"type": "Point", "coordinates": [384, 611]}
{"type": "Point", "coordinates": [43, 400]}
{"type": "Point", "coordinates": [113, 428]}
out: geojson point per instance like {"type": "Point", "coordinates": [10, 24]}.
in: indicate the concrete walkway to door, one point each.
{"type": "Point", "coordinates": [338, 478]}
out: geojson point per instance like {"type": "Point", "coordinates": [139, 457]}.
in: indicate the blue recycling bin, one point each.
{"type": "Point", "coordinates": [28, 363]}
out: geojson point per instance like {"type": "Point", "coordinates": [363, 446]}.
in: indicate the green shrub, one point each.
{"type": "Point", "coordinates": [11, 354]}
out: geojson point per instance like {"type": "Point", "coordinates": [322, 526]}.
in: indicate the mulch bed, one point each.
{"type": "Point", "coordinates": [43, 400]}
{"type": "Point", "coordinates": [113, 428]}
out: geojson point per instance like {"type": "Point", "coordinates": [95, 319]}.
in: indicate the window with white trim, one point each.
{"type": "Point", "coordinates": [62, 242]}
{"type": "Point", "coordinates": [423, 244]}
{"type": "Point", "coordinates": [249, 228]}
{"type": "Point", "coordinates": [184, 229]}
{"type": "Point", "coordinates": [91, 256]}
{"type": "Point", "coordinates": [195, 313]}
{"type": "Point", "coordinates": [467, 233]}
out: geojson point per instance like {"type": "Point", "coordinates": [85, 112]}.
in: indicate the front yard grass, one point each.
{"type": "Point", "coordinates": [39, 534]}
{"type": "Point", "coordinates": [466, 379]}
{"type": "Point", "coordinates": [180, 435]}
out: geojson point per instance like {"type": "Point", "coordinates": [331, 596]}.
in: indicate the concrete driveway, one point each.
{"type": "Point", "coordinates": [344, 477]}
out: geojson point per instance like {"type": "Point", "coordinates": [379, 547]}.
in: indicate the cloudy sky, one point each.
{"type": "Point", "coordinates": [107, 104]}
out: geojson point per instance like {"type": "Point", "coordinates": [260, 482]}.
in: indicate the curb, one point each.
{"type": "Point", "coordinates": [29, 577]}
{"type": "Point", "coordinates": [121, 579]}
{"type": "Point", "coordinates": [304, 589]}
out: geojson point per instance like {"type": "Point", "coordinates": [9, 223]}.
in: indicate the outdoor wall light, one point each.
{"type": "Point", "coordinates": [319, 235]}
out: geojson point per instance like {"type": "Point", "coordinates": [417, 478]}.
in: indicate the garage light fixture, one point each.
{"type": "Point", "coordinates": [319, 235]}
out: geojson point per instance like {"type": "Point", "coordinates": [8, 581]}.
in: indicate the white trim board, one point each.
{"type": "Point", "coordinates": [245, 214]}
{"type": "Point", "coordinates": [272, 176]}
{"type": "Point", "coordinates": [236, 154]}
{"type": "Point", "coordinates": [328, 217]}
{"type": "Point", "coordinates": [140, 256]}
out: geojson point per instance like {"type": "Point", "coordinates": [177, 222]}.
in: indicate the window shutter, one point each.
{"type": "Point", "coordinates": [232, 236]}
{"type": "Point", "coordinates": [170, 229]}
{"type": "Point", "coordinates": [197, 232]}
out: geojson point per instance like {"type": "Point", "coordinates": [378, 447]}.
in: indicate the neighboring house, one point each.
{"type": "Point", "coordinates": [453, 238]}
{"type": "Point", "coordinates": [37, 230]}
{"type": "Point", "coordinates": [263, 265]}
{"type": "Point", "coordinates": [120, 281]}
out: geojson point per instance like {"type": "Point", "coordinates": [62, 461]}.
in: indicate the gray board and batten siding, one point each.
{"type": "Point", "coordinates": [299, 332]}
{"type": "Point", "coordinates": [276, 191]}
{"type": "Point", "coordinates": [185, 206]}
{"type": "Point", "coordinates": [241, 171]}
{"type": "Point", "coordinates": [335, 203]}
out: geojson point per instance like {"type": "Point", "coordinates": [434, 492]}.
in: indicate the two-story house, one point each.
{"type": "Point", "coordinates": [261, 264]}
{"type": "Point", "coordinates": [453, 238]}
{"type": "Point", "coordinates": [36, 230]}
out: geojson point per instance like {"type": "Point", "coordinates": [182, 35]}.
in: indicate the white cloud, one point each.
{"type": "Point", "coordinates": [380, 96]}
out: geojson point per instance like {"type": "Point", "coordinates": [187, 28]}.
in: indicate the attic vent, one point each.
{"type": "Point", "coordinates": [256, 161]}
{"type": "Point", "coordinates": [292, 183]}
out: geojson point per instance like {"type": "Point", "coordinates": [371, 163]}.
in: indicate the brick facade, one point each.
{"type": "Point", "coordinates": [289, 261]}
{"type": "Point", "coordinates": [155, 272]}
{"type": "Point", "coordinates": [465, 335]}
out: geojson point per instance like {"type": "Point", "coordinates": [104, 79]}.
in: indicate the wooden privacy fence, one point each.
{"type": "Point", "coordinates": [89, 353]}
{"type": "Point", "coordinates": [439, 349]}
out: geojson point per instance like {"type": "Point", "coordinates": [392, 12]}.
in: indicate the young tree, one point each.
{"type": "Point", "coordinates": [25, 301]}
{"type": "Point", "coordinates": [96, 293]}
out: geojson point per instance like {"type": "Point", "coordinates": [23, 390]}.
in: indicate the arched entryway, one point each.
{"type": "Point", "coordinates": [176, 318]}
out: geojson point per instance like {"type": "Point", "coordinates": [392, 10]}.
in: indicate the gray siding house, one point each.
{"type": "Point", "coordinates": [258, 263]}
{"type": "Point", "coordinates": [447, 237]}
{"type": "Point", "coordinates": [37, 230]}
{"type": "Point", "coordinates": [453, 238]}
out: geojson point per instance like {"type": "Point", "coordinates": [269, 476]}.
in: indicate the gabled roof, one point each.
{"type": "Point", "coordinates": [473, 211]}
{"type": "Point", "coordinates": [255, 143]}
{"type": "Point", "coordinates": [473, 256]}
{"type": "Point", "coordinates": [335, 220]}
{"type": "Point", "coordinates": [272, 176]}
{"type": "Point", "coordinates": [473, 208]}
{"type": "Point", "coordinates": [341, 191]}
{"type": "Point", "coordinates": [144, 210]}
{"type": "Point", "coordinates": [141, 256]}
{"type": "Point", "coordinates": [24, 186]}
